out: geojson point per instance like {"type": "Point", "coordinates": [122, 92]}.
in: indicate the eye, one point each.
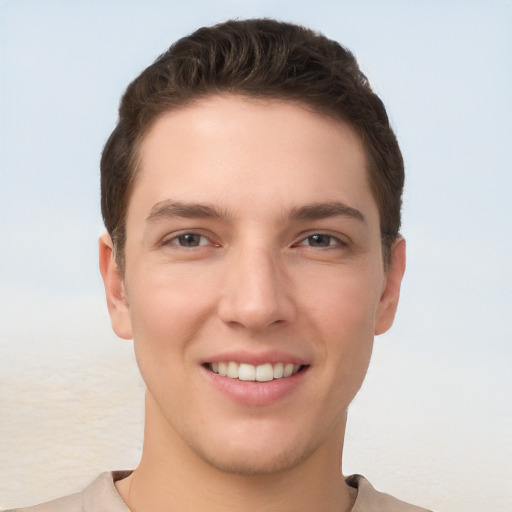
{"type": "Point", "coordinates": [321, 240]}
{"type": "Point", "coordinates": [188, 240]}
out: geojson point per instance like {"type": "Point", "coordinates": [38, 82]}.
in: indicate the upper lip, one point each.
{"type": "Point", "coordinates": [256, 359]}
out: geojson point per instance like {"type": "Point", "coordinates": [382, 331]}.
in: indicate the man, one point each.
{"type": "Point", "coordinates": [251, 192]}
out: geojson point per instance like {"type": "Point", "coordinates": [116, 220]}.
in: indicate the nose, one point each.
{"type": "Point", "coordinates": [256, 292]}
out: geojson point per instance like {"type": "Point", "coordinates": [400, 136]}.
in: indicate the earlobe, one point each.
{"type": "Point", "coordinates": [113, 281]}
{"type": "Point", "coordinates": [391, 293]}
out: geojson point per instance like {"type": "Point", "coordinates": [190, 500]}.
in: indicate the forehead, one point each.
{"type": "Point", "coordinates": [242, 152]}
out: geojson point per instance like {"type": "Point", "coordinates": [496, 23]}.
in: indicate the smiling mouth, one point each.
{"type": "Point", "coordinates": [248, 372]}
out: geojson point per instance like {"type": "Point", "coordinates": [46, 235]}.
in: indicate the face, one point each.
{"type": "Point", "coordinates": [254, 280]}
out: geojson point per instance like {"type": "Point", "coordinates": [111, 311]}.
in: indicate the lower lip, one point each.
{"type": "Point", "coordinates": [256, 393]}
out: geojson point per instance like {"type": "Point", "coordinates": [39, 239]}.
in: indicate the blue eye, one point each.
{"type": "Point", "coordinates": [321, 240]}
{"type": "Point", "coordinates": [188, 240]}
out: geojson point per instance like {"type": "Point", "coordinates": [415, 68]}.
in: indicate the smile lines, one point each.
{"type": "Point", "coordinates": [248, 372]}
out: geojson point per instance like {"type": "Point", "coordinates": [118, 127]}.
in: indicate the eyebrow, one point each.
{"type": "Point", "coordinates": [169, 208]}
{"type": "Point", "coordinates": [318, 211]}
{"type": "Point", "coordinates": [315, 211]}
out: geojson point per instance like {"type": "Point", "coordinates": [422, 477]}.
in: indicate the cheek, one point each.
{"type": "Point", "coordinates": [167, 311]}
{"type": "Point", "coordinates": [343, 313]}
{"type": "Point", "coordinates": [343, 303]}
{"type": "Point", "coordinates": [169, 300]}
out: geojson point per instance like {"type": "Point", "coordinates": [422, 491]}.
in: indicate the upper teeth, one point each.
{"type": "Point", "coordinates": [260, 373]}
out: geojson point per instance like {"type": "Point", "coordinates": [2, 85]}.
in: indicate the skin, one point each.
{"type": "Point", "coordinates": [253, 279]}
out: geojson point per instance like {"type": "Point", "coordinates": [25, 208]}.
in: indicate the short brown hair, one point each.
{"type": "Point", "coordinates": [256, 58]}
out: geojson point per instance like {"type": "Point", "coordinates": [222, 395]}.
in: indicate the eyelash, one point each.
{"type": "Point", "coordinates": [176, 239]}
{"type": "Point", "coordinates": [338, 242]}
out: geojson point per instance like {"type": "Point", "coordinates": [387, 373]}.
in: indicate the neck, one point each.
{"type": "Point", "coordinates": [171, 476]}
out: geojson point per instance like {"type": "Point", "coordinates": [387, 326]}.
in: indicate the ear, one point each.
{"type": "Point", "coordinates": [391, 293]}
{"type": "Point", "coordinates": [113, 281]}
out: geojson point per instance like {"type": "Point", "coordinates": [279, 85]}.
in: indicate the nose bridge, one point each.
{"type": "Point", "coordinates": [255, 294]}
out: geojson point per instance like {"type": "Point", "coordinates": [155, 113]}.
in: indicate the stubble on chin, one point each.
{"type": "Point", "coordinates": [246, 463]}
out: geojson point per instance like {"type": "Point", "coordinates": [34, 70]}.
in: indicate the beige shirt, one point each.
{"type": "Point", "coordinates": [102, 496]}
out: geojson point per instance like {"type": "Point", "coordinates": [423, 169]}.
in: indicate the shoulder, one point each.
{"type": "Point", "coordinates": [370, 500]}
{"type": "Point", "coordinates": [71, 503]}
{"type": "Point", "coordinates": [100, 496]}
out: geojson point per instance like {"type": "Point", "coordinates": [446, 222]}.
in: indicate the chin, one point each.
{"type": "Point", "coordinates": [262, 452]}
{"type": "Point", "coordinates": [246, 463]}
